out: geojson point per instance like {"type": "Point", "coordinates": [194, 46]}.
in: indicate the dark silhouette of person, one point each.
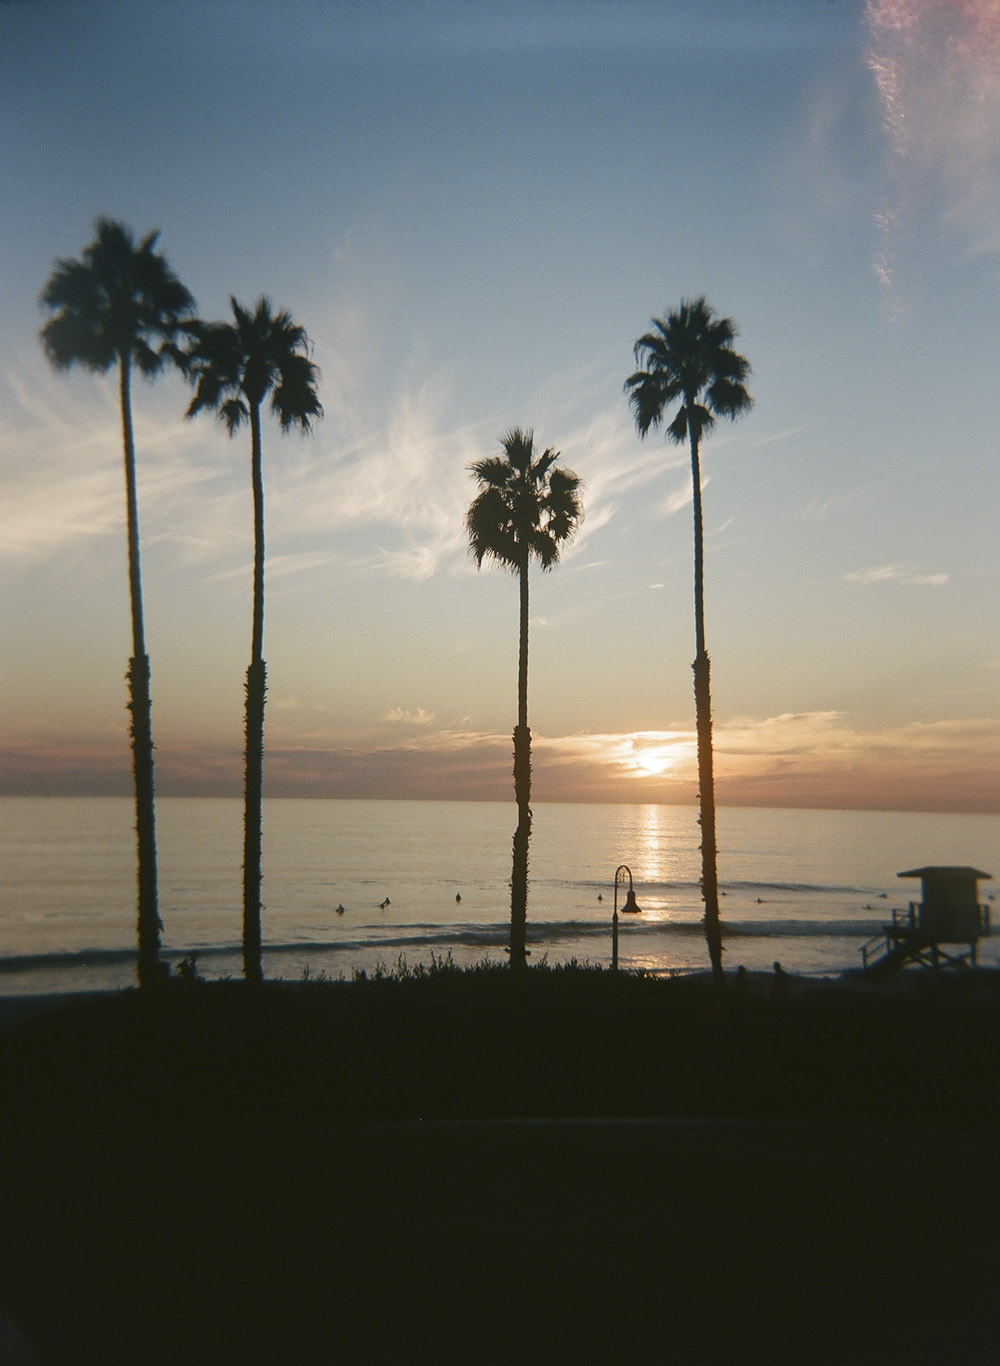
{"type": "Point", "coordinates": [779, 987]}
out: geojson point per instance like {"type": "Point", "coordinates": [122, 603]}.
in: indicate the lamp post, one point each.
{"type": "Point", "coordinates": [630, 905]}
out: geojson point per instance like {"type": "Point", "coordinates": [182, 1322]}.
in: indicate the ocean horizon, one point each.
{"type": "Point", "coordinates": [354, 885]}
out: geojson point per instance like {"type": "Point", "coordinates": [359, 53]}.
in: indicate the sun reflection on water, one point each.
{"type": "Point", "coordinates": [662, 863]}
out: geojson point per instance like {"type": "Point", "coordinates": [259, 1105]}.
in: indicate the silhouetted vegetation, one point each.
{"type": "Point", "coordinates": [838, 1145]}
{"type": "Point", "coordinates": [437, 1043]}
{"type": "Point", "coordinates": [690, 362]}
{"type": "Point", "coordinates": [234, 367]}
{"type": "Point", "coordinates": [527, 509]}
{"type": "Point", "coordinates": [121, 305]}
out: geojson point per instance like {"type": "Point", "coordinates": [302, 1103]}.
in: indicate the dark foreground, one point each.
{"type": "Point", "coordinates": [461, 1167]}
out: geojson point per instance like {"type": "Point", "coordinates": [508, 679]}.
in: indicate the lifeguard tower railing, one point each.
{"type": "Point", "coordinates": [949, 912]}
{"type": "Point", "coordinates": [909, 939]}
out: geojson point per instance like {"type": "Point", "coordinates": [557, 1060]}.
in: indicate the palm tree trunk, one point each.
{"type": "Point", "coordinates": [256, 689]}
{"type": "Point", "coordinates": [150, 970]}
{"type": "Point", "coordinates": [522, 792]}
{"type": "Point", "coordinates": [703, 727]}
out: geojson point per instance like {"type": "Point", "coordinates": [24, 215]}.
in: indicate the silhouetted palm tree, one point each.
{"type": "Point", "coordinates": [121, 305]}
{"type": "Point", "coordinates": [689, 361]}
{"type": "Point", "coordinates": [234, 367]}
{"type": "Point", "coordinates": [526, 510]}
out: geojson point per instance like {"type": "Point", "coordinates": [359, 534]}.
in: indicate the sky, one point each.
{"type": "Point", "coordinates": [474, 211]}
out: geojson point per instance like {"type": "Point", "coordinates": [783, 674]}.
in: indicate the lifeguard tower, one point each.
{"type": "Point", "coordinates": [948, 913]}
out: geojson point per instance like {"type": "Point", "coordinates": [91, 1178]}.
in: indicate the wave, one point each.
{"type": "Point", "coordinates": [798, 888]}
{"type": "Point", "coordinates": [443, 936]}
{"type": "Point", "coordinates": [801, 929]}
{"type": "Point", "coordinates": [693, 888]}
{"type": "Point", "coordinates": [67, 958]}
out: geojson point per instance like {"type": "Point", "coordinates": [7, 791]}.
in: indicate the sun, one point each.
{"type": "Point", "coordinates": [657, 761]}
{"type": "Point", "coordinates": [651, 753]}
{"type": "Point", "coordinates": [658, 754]}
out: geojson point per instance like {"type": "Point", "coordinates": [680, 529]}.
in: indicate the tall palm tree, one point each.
{"type": "Point", "coordinates": [234, 367]}
{"type": "Point", "coordinates": [689, 361]}
{"type": "Point", "coordinates": [526, 509]}
{"type": "Point", "coordinates": [121, 305]}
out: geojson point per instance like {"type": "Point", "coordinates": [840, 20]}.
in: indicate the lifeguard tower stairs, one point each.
{"type": "Point", "coordinates": [941, 930]}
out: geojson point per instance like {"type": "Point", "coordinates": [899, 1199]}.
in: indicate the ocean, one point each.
{"type": "Point", "coordinates": [355, 885]}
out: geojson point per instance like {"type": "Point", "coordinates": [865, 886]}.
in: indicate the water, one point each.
{"type": "Point", "coordinates": [808, 887]}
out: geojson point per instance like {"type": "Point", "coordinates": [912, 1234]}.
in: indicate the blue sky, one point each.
{"type": "Point", "coordinates": [474, 214]}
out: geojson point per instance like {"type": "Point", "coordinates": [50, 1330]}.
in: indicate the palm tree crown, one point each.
{"type": "Point", "coordinates": [236, 365]}
{"type": "Point", "coordinates": [689, 360]}
{"type": "Point", "coordinates": [119, 300]}
{"type": "Point", "coordinates": [527, 508]}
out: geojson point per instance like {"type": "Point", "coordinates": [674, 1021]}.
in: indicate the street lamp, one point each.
{"type": "Point", "coordinates": [630, 905]}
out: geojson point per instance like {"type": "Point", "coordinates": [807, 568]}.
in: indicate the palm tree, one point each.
{"type": "Point", "coordinates": [234, 367]}
{"type": "Point", "coordinates": [689, 361]}
{"type": "Point", "coordinates": [526, 508]}
{"type": "Point", "coordinates": [121, 305]}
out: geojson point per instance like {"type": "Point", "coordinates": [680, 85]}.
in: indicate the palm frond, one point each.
{"type": "Point", "coordinates": [490, 526]}
{"type": "Point", "coordinates": [234, 412]}
{"type": "Point", "coordinates": [494, 470]}
{"type": "Point", "coordinates": [295, 400]}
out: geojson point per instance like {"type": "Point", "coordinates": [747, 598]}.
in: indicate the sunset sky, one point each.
{"type": "Point", "coordinates": [474, 210]}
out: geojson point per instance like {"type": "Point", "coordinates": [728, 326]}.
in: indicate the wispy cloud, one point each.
{"type": "Point", "coordinates": [380, 487]}
{"type": "Point", "coordinates": [61, 466]}
{"type": "Point", "coordinates": [817, 508]}
{"type": "Point", "coordinates": [936, 66]}
{"type": "Point", "coordinates": [411, 716]}
{"type": "Point", "coordinates": [408, 485]}
{"type": "Point", "coordinates": [896, 573]}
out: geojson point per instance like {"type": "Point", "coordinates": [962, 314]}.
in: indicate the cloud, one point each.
{"type": "Point", "coordinates": [380, 487]}
{"type": "Point", "coordinates": [608, 455]}
{"type": "Point", "coordinates": [61, 468]}
{"type": "Point", "coordinates": [681, 497]}
{"type": "Point", "coordinates": [822, 758]}
{"type": "Point", "coordinates": [60, 464]}
{"type": "Point", "coordinates": [809, 759]}
{"type": "Point", "coordinates": [936, 67]}
{"type": "Point", "coordinates": [896, 573]}
{"type": "Point", "coordinates": [412, 716]}
{"type": "Point", "coordinates": [826, 759]}
{"type": "Point", "coordinates": [408, 486]}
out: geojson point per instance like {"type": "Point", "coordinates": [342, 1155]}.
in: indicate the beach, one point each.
{"type": "Point", "coordinates": [461, 1166]}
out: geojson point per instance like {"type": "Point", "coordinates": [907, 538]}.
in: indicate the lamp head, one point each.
{"type": "Point", "coordinates": [630, 902]}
